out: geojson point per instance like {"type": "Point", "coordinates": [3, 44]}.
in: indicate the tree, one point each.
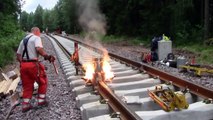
{"type": "Point", "coordinates": [58, 15]}
{"type": "Point", "coordinates": [10, 33]}
{"type": "Point", "coordinates": [69, 15]}
{"type": "Point", "coordinates": [46, 19]}
{"type": "Point", "coordinates": [182, 20]}
{"type": "Point", "coordinates": [30, 20]}
{"type": "Point", "coordinates": [37, 19]}
{"type": "Point", "coordinates": [9, 11]}
{"type": "Point", "coordinates": [23, 20]}
{"type": "Point", "coordinates": [206, 19]}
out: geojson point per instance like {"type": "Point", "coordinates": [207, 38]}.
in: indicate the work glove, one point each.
{"type": "Point", "coordinates": [50, 58]}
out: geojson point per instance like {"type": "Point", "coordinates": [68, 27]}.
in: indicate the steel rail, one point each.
{"type": "Point", "coordinates": [114, 102]}
{"type": "Point", "coordinates": [67, 53]}
{"type": "Point", "coordinates": [182, 83]}
{"type": "Point", "coordinates": [194, 88]}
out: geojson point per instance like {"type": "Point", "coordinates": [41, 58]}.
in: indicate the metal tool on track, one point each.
{"type": "Point", "coordinates": [75, 58]}
{"type": "Point", "coordinates": [168, 99]}
{"type": "Point", "coordinates": [198, 70]}
{"type": "Point", "coordinates": [55, 68]}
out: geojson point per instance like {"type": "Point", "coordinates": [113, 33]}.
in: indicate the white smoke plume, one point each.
{"type": "Point", "coordinates": [91, 19]}
{"type": "Point", "coordinates": [93, 22]}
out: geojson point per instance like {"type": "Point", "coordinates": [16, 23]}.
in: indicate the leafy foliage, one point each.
{"type": "Point", "coordinates": [9, 10]}
{"type": "Point", "coordinates": [178, 19]}
{"type": "Point", "coordinates": [10, 33]}
{"type": "Point", "coordinates": [37, 18]}
{"type": "Point", "coordinates": [8, 47]}
{"type": "Point", "coordinates": [182, 20]}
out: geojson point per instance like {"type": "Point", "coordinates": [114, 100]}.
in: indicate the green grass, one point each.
{"type": "Point", "coordinates": [112, 39]}
{"type": "Point", "coordinates": [131, 41]}
{"type": "Point", "coordinates": [205, 52]}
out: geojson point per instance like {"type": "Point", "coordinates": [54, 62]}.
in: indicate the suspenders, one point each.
{"type": "Point", "coordinates": [25, 41]}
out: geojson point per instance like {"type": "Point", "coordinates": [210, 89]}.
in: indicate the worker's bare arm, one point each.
{"type": "Point", "coordinates": [41, 51]}
{"type": "Point", "coordinates": [18, 57]}
{"type": "Point", "coordinates": [44, 54]}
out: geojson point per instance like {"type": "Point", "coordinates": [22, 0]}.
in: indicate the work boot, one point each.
{"type": "Point", "coordinates": [42, 102]}
{"type": "Point", "coordinates": [26, 106]}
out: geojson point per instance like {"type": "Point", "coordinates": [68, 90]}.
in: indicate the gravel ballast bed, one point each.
{"type": "Point", "coordinates": [133, 52]}
{"type": "Point", "coordinates": [62, 104]}
{"type": "Point", "coordinates": [62, 101]}
{"type": "Point", "coordinates": [130, 53]}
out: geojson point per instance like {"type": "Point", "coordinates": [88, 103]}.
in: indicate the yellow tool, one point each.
{"type": "Point", "coordinates": [168, 99]}
{"type": "Point", "coordinates": [198, 70]}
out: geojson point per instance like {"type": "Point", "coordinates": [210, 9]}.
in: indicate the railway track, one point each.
{"type": "Point", "coordinates": [126, 96]}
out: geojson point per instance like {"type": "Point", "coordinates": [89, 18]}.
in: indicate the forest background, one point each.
{"type": "Point", "coordinates": [188, 23]}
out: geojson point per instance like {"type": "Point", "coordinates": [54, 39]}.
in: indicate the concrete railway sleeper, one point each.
{"type": "Point", "coordinates": [129, 87]}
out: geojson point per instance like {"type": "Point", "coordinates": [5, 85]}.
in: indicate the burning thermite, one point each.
{"type": "Point", "coordinates": [98, 69]}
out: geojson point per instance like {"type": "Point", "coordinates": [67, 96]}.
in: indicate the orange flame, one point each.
{"type": "Point", "coordinates": [107, 70]}
{"type": "Point", "coordinates": [90, 70]}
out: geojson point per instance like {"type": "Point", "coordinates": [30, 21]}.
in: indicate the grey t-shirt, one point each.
{"type": "Point", "coordinates": [33, 42]}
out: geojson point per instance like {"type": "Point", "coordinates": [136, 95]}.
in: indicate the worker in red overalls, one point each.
{"type": "Point", "coordinates": [31, 69]}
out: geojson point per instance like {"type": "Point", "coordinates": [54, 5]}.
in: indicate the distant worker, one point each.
{"type": "Point", "coordinates": [46, 31]}
{"type": "Point", "coordinates": [31, 69]}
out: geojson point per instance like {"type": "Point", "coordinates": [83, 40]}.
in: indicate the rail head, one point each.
{"type": "Point", "coordinates": [67, 53]}
{"type": "Point", "coordinates": [116, 104]}
{"type": "Point", "coordinates": [182, 83]}
{"type": "Point", "coordinates": [194, 88]}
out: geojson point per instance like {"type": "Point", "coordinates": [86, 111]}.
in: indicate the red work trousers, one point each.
{"type": "Point", "coordinates": [33, 72]}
